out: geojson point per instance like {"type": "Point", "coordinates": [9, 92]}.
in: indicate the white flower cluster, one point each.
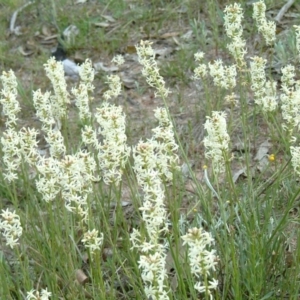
{"type": "Point", "coordinates": [223, 76]}
{"type": "Point", "coordinates": [11, 106]}
{"type": "Point", "coordinates": [12, 157]}
{"type": "Point", "coordinates": [267, 28]}
{"type": "Point", "coordinates": [295, 152]}
{"type": "Point", "coordinates": [290, 99]}
{"type": "Point", "coordinates": [43, 108]}
{"type": "Point", "coordinates": [166, 146]}
{"type": "Point", "coordinates": [202, 260]}
{"type": "Point", "coordinates": [55, 72]}
{"type": "Point", "coordinates": [87, 74]}
{"type": "Point", "coordinates": [55, 140]}
{"type": "Point", "coordinates": [154, 272]}
{"type": "Point", "coordinates": [46, 108]}
{"type": "Point", "coordinates": [29, 145]}
{"type": "Point", "coordinates": [10, 140]}
{"type": "Point", "coordinates": [115, 87]}
{"type": "Point", "coordinates": [48, 181]}
{"type": "Point", "coordinates": [150, 70]}
{"type": "Point", "coordinates": [92, 241]}
{"type": "Point", "coordinates": [264, 91]}
{"type": "Point", "coordinates": [200, 71]}
{"type": "Point", "coordinates": [149, 178]}
{"type": "Point", "coordinates": [36, 295]}
{"type": "Point", "coordinates": [82, 92]}
{"type": "Point", "coordinates": [297, 31]}
{"type": "Point", "coordinates": [71, 176]}
{"type": "Point", "coordinates": [233, 15]}
{"type": "Point", "coordinates": [113, 152]}
{"type": "Point", "coordinates": [118, 60]}
{"type": "Point", "coordinates": [217, 140]}
{"type": "Point", "coordinates": [45, 111]}
{"type": "Point", "coordinates": [153, 253]}
{"type": "Point", "coordinates": [17, 145]}
{"type": "Point", "coordinates": [11, 228]}
{"type": "Point", "coordinates": [76, 179]}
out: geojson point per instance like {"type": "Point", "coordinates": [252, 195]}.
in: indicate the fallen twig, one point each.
{"type": "Point", "coordinates": [283, 10]}
{"type": "Point", "coordinates": [12, 23]}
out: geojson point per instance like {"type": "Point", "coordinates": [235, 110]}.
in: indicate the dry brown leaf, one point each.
{"type": "Point", "coordinates": [81, 277]}
{"type": "Point", "coordinates": [130, 49]}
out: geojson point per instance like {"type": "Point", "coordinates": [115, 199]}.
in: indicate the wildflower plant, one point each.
{"type": "Point", "coordinates": [240, 229]}
{"type": "Point", "coordinates": [154, 215]}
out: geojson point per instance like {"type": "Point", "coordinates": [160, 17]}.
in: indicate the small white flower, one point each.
{"type": "Point", "coordinates": [199, 56]}
{"type": "Point", "coordinates": [36, 295]}
{"type": "Point", "coordinates": [92, 241]}
{"type": "Point", "coordinates": [87, 74]}
{"type": "Point", "coordinates": [115, 87]}
{"type": "Point", "coordinates": [118, 59]}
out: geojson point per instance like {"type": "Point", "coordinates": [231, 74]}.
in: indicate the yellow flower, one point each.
{"type": "Point", "coordinates": [272, 157]}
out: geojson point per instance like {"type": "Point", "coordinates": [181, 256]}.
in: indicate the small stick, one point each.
{"type": "Point", "coordinates": [13, 19]}
{"type": "Point", "coordinates": [284, 10]}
